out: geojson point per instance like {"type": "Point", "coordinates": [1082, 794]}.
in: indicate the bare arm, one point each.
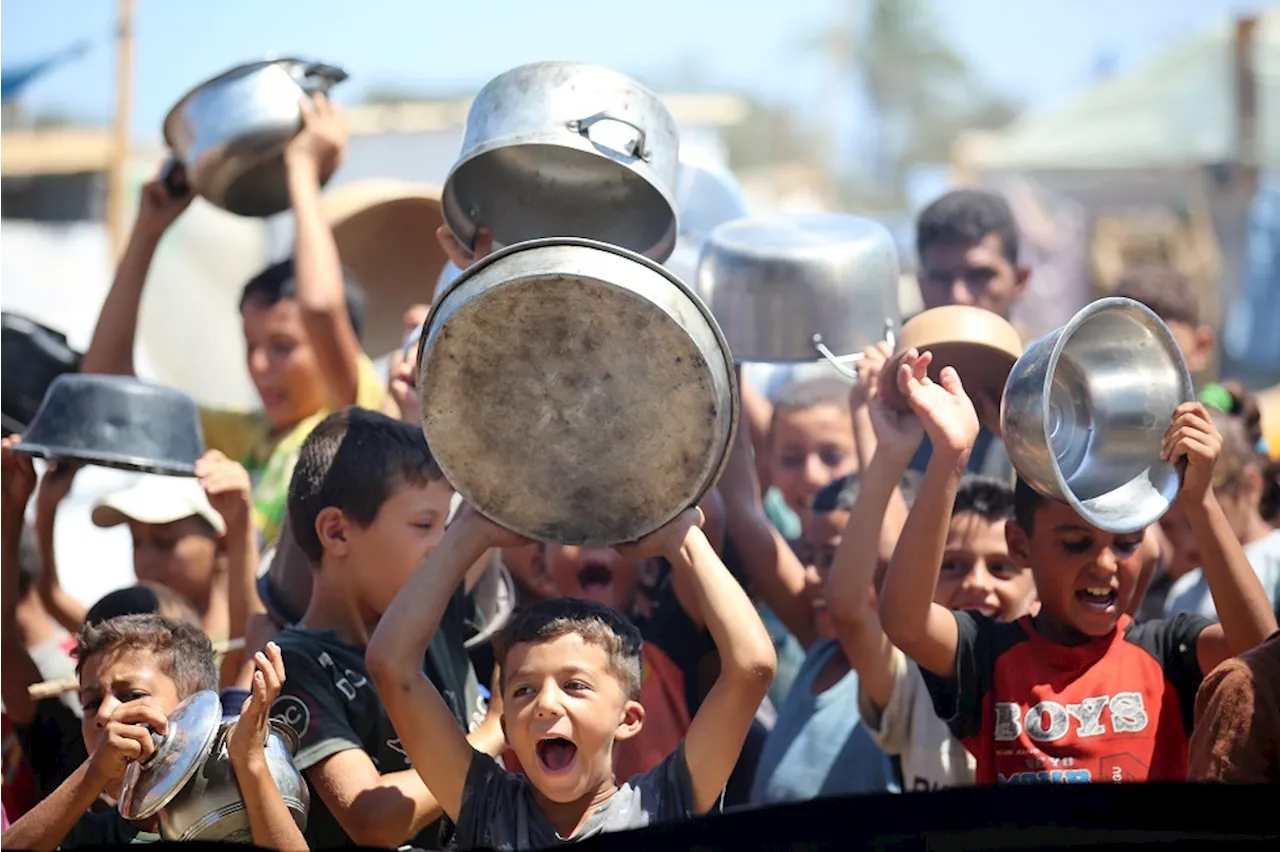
{"type": "Point", "coordinates": [17, 670]}
{"type": "Point", "coordinates": [318, 267]}
{"type": "Point", "coordinates": [714, 740]}
{"type": "Point", "coordinates": [45, 826]}
{"type": "Point", "coordinates": [434, 743]}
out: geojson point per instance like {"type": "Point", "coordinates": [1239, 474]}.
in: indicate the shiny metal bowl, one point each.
{"type": "Point", "coordinates": [1085, 410]}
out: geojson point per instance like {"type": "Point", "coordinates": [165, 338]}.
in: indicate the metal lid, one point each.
{"type": "Point", "coordinates": [150, 785]}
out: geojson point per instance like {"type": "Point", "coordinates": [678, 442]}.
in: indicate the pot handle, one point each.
{"type": "Point", "coordinates": [319, 77]}
{"type": "Point", "coordinates": [639, 148]}
{"type": "Point", "coordinates": [174, 177]}
{"type": "Point", "coordinates": [841, 362]}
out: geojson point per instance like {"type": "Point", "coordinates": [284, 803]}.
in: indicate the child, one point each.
{"type": "Point", "coordinates": [1073, 693]}
{"type": "Point", "coordinates": [817, 746]}
{"type": "Point", "coordinates": [1173, 297]}
{"type": "Point", "coordinates": [367, 504]}
{"type": "Point", "coordinates": [570, 679]}
{"type": "Point", "coordinates": [1237, 733]}
{"type": "Point", "coordinates": [134, 670]}
{"type": "Point", "coordinates": [810, 440]}
{"type": "Point", "coordinates": [301, 323]}
{"type": "Point", "coordinates": [1237, 481]}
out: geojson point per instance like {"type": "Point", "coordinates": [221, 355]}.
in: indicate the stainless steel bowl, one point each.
{"type": "Point", "coordinates": [1085, 410]}
{"type": "Point", "coordinates": [778, 285]}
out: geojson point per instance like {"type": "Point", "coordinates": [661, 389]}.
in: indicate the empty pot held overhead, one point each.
{"type": "Point", "coordinates": [229, 133]}
{"type": "Point", "coordinates": [1085, 411]}
{"type": "Point", "coordinates": [561, 149]}
{"type": "Point", "coordinates": [774, 282]}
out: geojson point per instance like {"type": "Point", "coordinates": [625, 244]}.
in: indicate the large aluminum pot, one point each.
{"type": "Point", "coordinates": [576, 392]}
{"type": "Point", "coordinates": [707, 196]}
{"type": "Point", "coordinates": [792, 288]}
{"type": "Point", "coordinates": [1085, 411]}
{"type": "Point", "coordinates": [563, 149]}
{"type": "Point", "coordinates": [229, 133]}
{"type": "Point", "coordinates": [189, 781]}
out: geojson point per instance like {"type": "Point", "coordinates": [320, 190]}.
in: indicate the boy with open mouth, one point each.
{"type": "Point", "coordinates": [570, 680]}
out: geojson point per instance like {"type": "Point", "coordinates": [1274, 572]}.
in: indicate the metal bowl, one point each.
{"type": "Point", "coordinates": [1085, 410]}
{"type": "Point", "coordinates": [778, 285]}
{"type": "Point", "coordinates": [116, 421]}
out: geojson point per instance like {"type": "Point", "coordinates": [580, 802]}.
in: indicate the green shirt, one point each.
{"type": "Point", "coordinates": [105, 828]}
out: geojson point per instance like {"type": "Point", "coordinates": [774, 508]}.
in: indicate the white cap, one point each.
{"type": "Point", "coordinates": [157, 500]}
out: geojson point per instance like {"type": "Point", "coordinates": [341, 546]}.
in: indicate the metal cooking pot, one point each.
{"type": "Point", "coordinates": [229, 133]}
{"type": "Point", "coordinates": [798, 287]}
{"type": "Point", "coordinates": [189, 781]}
{"type": "Point", "coordinates": [1085, 411]}
{"type": "Point", "coordinates": [563, 149]}
{"type": "Point", "coordinates": [116, 421]}
{"type": "Point", "coordinates": [576, 392]}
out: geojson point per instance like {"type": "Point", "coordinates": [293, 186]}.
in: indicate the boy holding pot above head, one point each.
{"type": "Point", "coordinates": [570, 679]}
{"type": "Point", "coordinates": [367, 504]}
{"type": "Point", "coordinates": [301, 323]}
{"type": "Point", "coordinates": [1075, 693]}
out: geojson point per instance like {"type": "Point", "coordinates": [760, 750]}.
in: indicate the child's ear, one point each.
{"type": "Point", "coordinates": [632, 721]}
{"type": "Point", "coordinates": [1019, 544]}
{"type": "Point", "coordinates": [331, 528]}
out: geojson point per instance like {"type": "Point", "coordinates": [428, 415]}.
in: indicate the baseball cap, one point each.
{"type": "Point", "coordinates": [154, 499]}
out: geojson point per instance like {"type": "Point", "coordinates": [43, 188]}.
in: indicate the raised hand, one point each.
{"type": "Point", "coordinates": [247, 744]}
{"type": "Point", "coordinates": [17, 476]}
{"type": "Point", "coordinates": [55, 485]}
{"type": "Point", "coordinates": [897, 432]}
{"type": "Point", "coordinates": [227, 485]}
{"type": "Point", "coordinates": [158, 208]}
{"type": "Point", "coordinates": [462, 255]}
{"type": "Point", "coordinates": [125, 738]}
{"type": "Point", "coordinates": [665, 541]}
{"type": "Point", "coordinates": [1192, 438]}
{"type": "Point", "coordinates": [322, 142]}
{"type": "Point", "coordinates": [943, 407]}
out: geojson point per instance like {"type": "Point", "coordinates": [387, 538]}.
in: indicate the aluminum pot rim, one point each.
{"type": "Point", "coordinates": [570, 63]}
{"type": "Point", "coordinates": [561, 139]}
{"type": "Point", "coordinates": [240, 70]}
{"type": "Point", "coordinates": [96, 458]}
{"type": "Point", "coordinates": [1064, 335]}
{"type": "Point", "coordinates": [471, 271]}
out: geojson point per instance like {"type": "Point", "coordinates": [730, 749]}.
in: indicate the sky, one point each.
{"type": "Point", "coordinates": [1040, 53]}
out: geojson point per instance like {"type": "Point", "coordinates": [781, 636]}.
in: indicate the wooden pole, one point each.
{"type": "Point", "coordinates": [117, 187]}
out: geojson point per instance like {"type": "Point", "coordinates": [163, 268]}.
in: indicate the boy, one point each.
{"type": "Point", "coordinates": [570, 679]}
{"type": "Point", "coordinates": [1073, 693]}
{"type": "Point", "coordinates": [1174, 299]}
{"type": "Point", "coordinates": [817, 746]}
{"type": "Point", "coordinates": [810, 441]}
{"type": "Point", "coordinates": [301, 323]}
{"type": "Point", "coordinates": [367, 504]}
{"type": "Point", "coordinates": [134, 670]}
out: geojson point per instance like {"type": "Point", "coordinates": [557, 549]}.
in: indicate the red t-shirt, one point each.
{"type": "Point", "coordinates": [1117, 708]}
{"type": "Point", "coordinates": [666, 718]}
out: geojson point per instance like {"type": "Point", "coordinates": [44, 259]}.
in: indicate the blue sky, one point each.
{"type": "Point", "coordinates": [1040, 52]}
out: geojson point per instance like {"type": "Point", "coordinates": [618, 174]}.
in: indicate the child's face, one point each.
{"type": "Point", "coordinates": [978, 573]}
{"type": "Point", "coordinates": [116, 677]}
{"type": "Point", "coordinates": [808, 449]}
{"type": "Point", "coordinates": [822, 534]}
{"type": "Point", "coordinates": [406, 529]}
{"type": "Point", "coordinates": [181, 556]}
{"type": "Point", "coordinates": [529, 565]}
{"type": "Point", "coordinates": [594, 573]}
{"type": "Point", "coordinates": [563, 710]}
{"type": "Point", "coordinates": [1085, 578]}
{"type": "Point", "coordinates": [1195, 343]}
{"type": "Point", "coordinates": [281, 362]}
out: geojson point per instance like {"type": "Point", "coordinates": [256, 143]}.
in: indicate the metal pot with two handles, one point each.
{"type": "Point", "coordinates": [563, 149]}
{"type": "Point", "coordinates": [228, 134]}
{"type": "Point", "coordinates": [188, 781]}
{"type": "Point", "coordinates": [576, 392]}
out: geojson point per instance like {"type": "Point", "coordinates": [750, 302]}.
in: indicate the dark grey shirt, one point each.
{"type": "Point", "coordinates": [499, 811]}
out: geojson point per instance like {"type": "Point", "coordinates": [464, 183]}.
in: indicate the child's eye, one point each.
{"type": "Point", "coordinates": [136, 695]}
{"type": "Point", "coordinates": [520, 691]}
{"type": "Point", "coordinates": [832, 458]}
{"type": "Point", "coordinates": [426, 525]}
{"type": "Point", "coordinates": [575, 686]}
{"type": "Point", "coordinates": [1080, 546]}
{"type": "Point", "coordinates": [1127, 547]}
{"type": "Point", "coordinates": [954, 565]}
{"type": "Point", "coordinates": [1005, 570]}
{"type": "Point", "coordinates": [91, 706]}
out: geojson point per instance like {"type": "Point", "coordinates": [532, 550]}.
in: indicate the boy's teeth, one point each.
{"type": "Point", "coordinates": [1099, 591]}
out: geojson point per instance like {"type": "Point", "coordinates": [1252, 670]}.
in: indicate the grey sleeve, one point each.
{"type": "Point", "coordinates": [958, 700]}
{"type": "Point", "coordinates": [490, 798]}
{"type": "Point", "coordinates": [666, 791]}
{"type": "Point", "coordinates": [310, 705]}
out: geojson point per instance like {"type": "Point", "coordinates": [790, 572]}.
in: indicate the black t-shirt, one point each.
{"type": "Point", "coordinates": [105, 828]}
{"type": "Point", "coordinates": [52, 744]}
{"type": "Point", "coordinates": [330, 703]}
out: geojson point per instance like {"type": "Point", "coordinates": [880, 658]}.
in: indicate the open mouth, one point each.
{"type": "Point", "coordinates": [556, 754]}
{"type": "Point", "coordinates": [1100, 599]}
{"type": "Point", "coordinates": [596, 583]}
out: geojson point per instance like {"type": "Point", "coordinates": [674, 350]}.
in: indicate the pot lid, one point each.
{"type": "Point", "coordinates": [149, 786]}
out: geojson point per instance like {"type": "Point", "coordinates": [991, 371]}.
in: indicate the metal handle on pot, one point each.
{"type": "Point", "coordinates": [174, 177]}
{"type": "Point", "coordinates": [319, 77]}
{"type": "Point", "coordinates": [639, 148]}
{"type": "Point", "coordinates": [841, 362]}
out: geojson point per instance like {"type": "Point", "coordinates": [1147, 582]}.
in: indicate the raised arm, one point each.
{"type": "Point", "coordinates": [1244, 614]}
{"type": "Point", "coordinates": [714, 740]}
{"type": "Point", "coordinates": [926, 632]}
{"type": "Point", "coordinates": [320, 289]}
{"type": "Point", "coordinates": [111, 349]}
{"type": "Point", "coordinates": [17, 480]}
{"type": "Point", "coordinates": [432, 739]}
{"type": "Point", "coordinates": [54, 487]}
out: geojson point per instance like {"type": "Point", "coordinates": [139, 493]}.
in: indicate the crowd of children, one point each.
{"type": "Point", "coordinates": [868, 601]}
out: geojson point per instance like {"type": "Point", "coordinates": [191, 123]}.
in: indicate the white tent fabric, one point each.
{"type": "Point", "coordinates": [1177, 111]}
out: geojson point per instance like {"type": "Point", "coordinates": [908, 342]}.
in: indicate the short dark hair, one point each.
{"type": "Point", "coordinates": [143, 599]}
{"type": "Point", "coordinates": [278, 282]}
{"type": "Point", "coordinates": [968, 216]}
{"type": "Point", "coordinates": [354, 460]}
{"type": "Point", "coordinates": [1026, 502]}
{"type": "Point", "coordinates": [984, 496]}
{"type": "Point", "coordinates": [1166, 291]}
{"type": "Point", "coordinates": [182, 651]}
{"type": "Point", "coordinates": [596, 623]}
